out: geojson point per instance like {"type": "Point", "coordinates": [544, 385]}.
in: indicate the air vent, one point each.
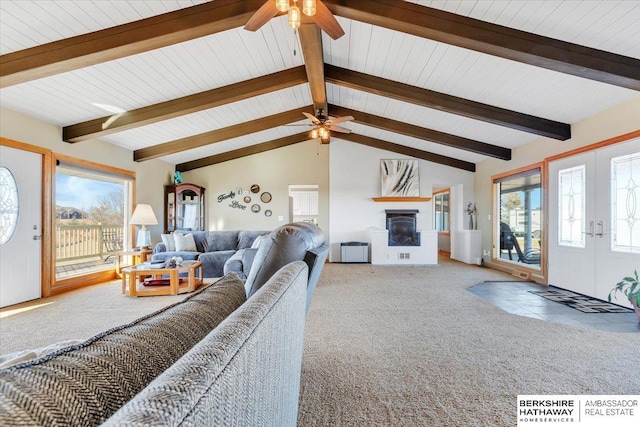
{"type": "Point", "coordinates": [525, 275]}
{"type": "Point", "coordinates": [404, 255]}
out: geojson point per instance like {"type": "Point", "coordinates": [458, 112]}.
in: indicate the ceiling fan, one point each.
{"type": "Point", "coordinates": [315, 9]}
{"type": "Point", "coordinates": [323, 126]}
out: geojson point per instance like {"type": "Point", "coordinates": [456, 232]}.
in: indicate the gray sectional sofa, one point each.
{"type": "Point", "coordinates": [223, 252]}
{"type": "Point", "coordinates": [213, 248]}
{"type": "Point", "coordinates": [298, 241]}
{"type": "Point", "coordinates": [215, 358]}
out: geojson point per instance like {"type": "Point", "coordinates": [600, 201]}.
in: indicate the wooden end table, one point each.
{"type": "Point", "coordinates": [145, 280]}
{"type": "Point", "coordinates": [137, 257]}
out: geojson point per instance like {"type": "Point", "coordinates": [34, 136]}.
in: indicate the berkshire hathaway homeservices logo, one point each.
{"type": "Point", "coordinates": [578, 410]}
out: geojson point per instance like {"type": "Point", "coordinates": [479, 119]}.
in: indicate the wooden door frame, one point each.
{"type": "Point", "coordinates": [539, 275]}
{"type": "Point", "coordinates": [46, 247]}
{"type": "Point", "coordinates": [580, 150]}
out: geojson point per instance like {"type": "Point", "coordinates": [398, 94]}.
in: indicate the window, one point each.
{"type": "Point", "coordinates": [571, 207]}
{"type": "Point", "coordinates": [519, 214]}
{"type": "Point", "coordinates": [9, 207]}
{"type": "Point", "coordinates": [91, 211]}
{"type": "Point", "coordinates": [441, 211]}
{"type": "Point", "coordinates": [625, 203]}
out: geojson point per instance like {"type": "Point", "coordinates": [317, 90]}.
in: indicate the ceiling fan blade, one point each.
{"type": "Point", "coordinates": [339, 129]}
{"type": "Point", "coordinates": [262, 16]}
{"type": "Point", "coordinates": [311, 117]}
{"type": "Point", "coordinates": [327, 22]}
{"type": "Point", "coordinates": [339, 120]}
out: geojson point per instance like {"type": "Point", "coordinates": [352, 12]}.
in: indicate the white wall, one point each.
{"type": "Point", "coordinates": [354, 173]}
{"type": "Point", "coordinates": [304, 163]}
{"type": "Point", "coordinates": [617, 121]}
{"type": "Point", "coordinates": [151, 175]}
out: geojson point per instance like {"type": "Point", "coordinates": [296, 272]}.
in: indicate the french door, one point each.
{"type": "Point", "coordinates": [21, 232]}
{"type": "Point", "coordinates": [594, 221]}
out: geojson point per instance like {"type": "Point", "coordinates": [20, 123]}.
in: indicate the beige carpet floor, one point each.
{"type": "Point", "coordinates": [409, 346]}
{"type": "Point", "coordinates": [390, 346]}
{"type": "Point", "coordinates": [78, 314]}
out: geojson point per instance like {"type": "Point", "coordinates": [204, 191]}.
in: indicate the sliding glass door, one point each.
{"type": "Point", "coordinates": [519, 218]}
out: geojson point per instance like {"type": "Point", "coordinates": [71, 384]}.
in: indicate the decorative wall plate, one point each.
{"type": "Point", "coordinates": [247, 199]}
{"type": "Point", "coordinates": [255, 188]}
{"type": "Point", "coordinates": [255, 208]}
{"type": "Point", "coordinates": [265, 197]}
{"type": "Point", "coordinates": [267, 212]}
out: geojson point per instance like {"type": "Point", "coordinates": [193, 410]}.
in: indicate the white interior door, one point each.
{"type": "Point", "coordinates": [594, 221]}
{"type": "Point", "coordinates": [571, 223]}
{"type": "Point", "coordinates": [21, 198]}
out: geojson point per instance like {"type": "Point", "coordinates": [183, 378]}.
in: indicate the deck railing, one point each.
{"type": "Point", "coordinates": [87, 241]}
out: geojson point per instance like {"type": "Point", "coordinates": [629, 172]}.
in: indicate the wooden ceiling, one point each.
{"type": "Point", "coordinates": [406, 31]}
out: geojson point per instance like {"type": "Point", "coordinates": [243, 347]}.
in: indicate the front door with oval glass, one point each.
{"type": "Point", "coordinates": [20, 228]}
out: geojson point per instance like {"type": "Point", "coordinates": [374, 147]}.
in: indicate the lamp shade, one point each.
{"type": "Point", "coordinates": [143, 215]}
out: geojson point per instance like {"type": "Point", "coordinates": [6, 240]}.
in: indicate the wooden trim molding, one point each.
{"type": "Point", "coordinates": [47, 267]}
{"type": "Point", "coordinates": [401, 199]}
{"type": "Point", "coordinates": [595, 146]}
{"type": "Point", "coordinates": [88, 164]}
{"type": "Point", "coordinates": [444, 190]}
{"type": "Point", "coordinates": [510, 266]}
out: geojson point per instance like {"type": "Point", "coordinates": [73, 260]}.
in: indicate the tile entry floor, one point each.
{"type": "Point", "coordinates": [515, 298]}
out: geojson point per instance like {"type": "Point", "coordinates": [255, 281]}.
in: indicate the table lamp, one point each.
{"type": "Point", "coordinates": [143, 215]}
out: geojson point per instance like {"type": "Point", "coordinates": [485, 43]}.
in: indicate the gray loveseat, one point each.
{"type": "Point", "coordinates": [213, 248]}
{"type": "Point", "coordinates": [213, 359]}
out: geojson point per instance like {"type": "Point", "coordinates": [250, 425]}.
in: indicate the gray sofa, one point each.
{"type": "Point", "coordinates": [213, 359]}
{"type": "Point", "coordinates": [214, 248]}
{"type": "Point", "coordinates": [298, 241]}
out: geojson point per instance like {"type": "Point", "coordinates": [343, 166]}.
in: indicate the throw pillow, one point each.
{"type": "Point", "coordinates": [257, 241]}
{"type": "Point", "coordinates": [169, 242]}
{"type": "Point", "coordinates": [185, 242]}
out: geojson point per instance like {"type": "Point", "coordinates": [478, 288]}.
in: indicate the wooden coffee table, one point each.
{"type": "Point", "coordinates": [148, 280]}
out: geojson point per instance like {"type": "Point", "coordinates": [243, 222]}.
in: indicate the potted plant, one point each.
{"type": "Point", "coordinates": [630, 287]}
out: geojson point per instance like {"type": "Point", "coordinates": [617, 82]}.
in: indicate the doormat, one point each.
{"type": "Point", "coordinates": [581, 302]}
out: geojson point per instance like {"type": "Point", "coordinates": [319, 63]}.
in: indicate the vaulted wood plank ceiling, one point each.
{"type": "Point", "coordinates": [389, 19]}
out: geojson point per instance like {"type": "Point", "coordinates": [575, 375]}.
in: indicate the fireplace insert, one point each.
{"type": "Point", "coordinates": [401, 224]}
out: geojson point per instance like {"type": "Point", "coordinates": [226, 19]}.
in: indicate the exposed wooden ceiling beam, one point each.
{"type": "Point", "coordinates": [124, 40]}
{"type": "Point", "coordinates": [423, 133]}
{"type": "Point", "coordinates": [243, 152]}
{"type": "Point", "coordinates": [448, 103]}
{"type": "Point", "coordinates": [493, 39]}
{"type": "Point", "coordinates": [407, 151]}
{"type": "Point", "coordinates": [218, 135]}
{"type": "Point", "coordinates": [185, 105]}
{"type": "Point", "coordinates": [311, 45]}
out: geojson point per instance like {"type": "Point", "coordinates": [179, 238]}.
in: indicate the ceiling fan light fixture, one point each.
{"type": "Point", "coordinates": [309, 7]}
{"type": "Point", "coordinates": [282, 5]}
{"type": "Point", "coordinates": [324, 140]}
{"type": "Point", "coordinates": [323, 132]}
{"type": "Point", "coordinates": [294, 17]}
{"type": "Point", "coordinates": [314, 134]}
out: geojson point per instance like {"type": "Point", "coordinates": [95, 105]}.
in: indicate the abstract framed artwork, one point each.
{"type": "Point", "coordinates": [400, 178]}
